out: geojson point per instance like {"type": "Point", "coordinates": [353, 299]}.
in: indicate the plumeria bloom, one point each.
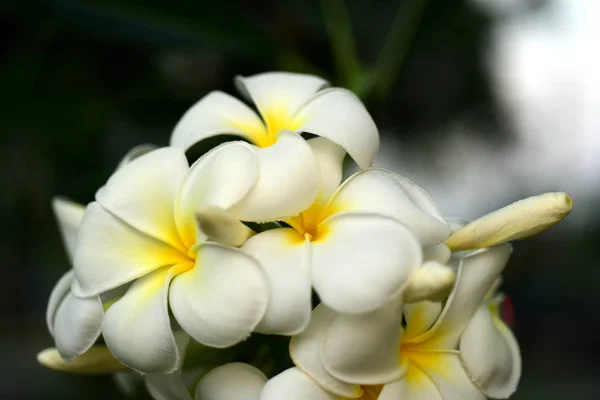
{"type": "Point", "coordinates": [350, 354]}
{"type": "Point", "coordinates": [140, 237]}
{"type": "Point", "coordinates": [289, 104]}
{"type": "Point", "coordinates": [234, 381]}
{"type": "Point", "coordinates": [357, 245]}
{"type": "Point", "coordinates": [74, 322]}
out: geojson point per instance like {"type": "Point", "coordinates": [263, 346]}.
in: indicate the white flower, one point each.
{"type": "Point", "coordinates": [234, 381]}
{"type": "Point", "coordinates": [357, 245]}
{"type": "Point", "coordinates": [289, 104]}
{"type": "Point", "coordinates": [73, 321]}
{"type": "Point", "coordinates": [142, 228]}
{"type": "Point", "coordinates": [343, 352]}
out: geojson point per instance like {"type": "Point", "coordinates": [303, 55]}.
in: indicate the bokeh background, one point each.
{"type": "Point", "coordinates": [482, 102]}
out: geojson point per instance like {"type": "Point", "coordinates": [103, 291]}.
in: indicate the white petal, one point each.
{"type": "Point", "coordinates": [142, 193]}
{"type": "Point", "coordinates": [77, 325]}
{"type": "Point", "coordinates": [167, 386]}
{"type": "Point", "coordinates": [214, 114]}
{"type": "Point", "coordinates": [387, 193]}
{"type": "Point", "coordinates": [491, 354]}
{"type": "Point", "coordinates": [305, 351]}
{"type": "Point", "coordinates": [288, 181]}
{"type": "Point", "coordinates": [277, 95]}
{"type": "Point", "coordinates": [476, 274]}
{"type": "Point", "coordinates": [415, 385]}
{"type": "Point", "coordinates": [222, 299]}
{"type": "Point", "coordinates": [285, 258]}
{"type": "Point", "coordinates": [136, 152]}
{"type": "Point", "coordinates": [69, 215]}
{"type": "Point", "coordinates": [420, 317]}
{"type": "Point", "coordinates": [293, 384]}
{"type": "Point", "coordinates": [137, 328]}
{"type": "Point", "coordinates": [432, 281]}
{"type": "Point", "coordinates": [220, 226]}
{"type": "Point", "coordinates": [330, 158]}
{"type": "Point", "coordinates": [235, 381]}
{"type": "Point", "coordinates": [448, 373]}
{"type": "Point", "coordinates": [97, 360]}
{"type": "Point", "coordinates": [110, 253]}
{"type": "Point", "coordinates": [338, 115]}
{"type": "Point", "coordinates": [517, 221]}
{"type": "Point", "coordinates": [221, 178]}
{"type": "Point", "coordinates": [365, 348]}
{"type": "Point", "coordinates": [360, 260]}
{"type": "Point", "coordinates": [438, 252]}
{"type": "Point", "coordinates": [60, 290]}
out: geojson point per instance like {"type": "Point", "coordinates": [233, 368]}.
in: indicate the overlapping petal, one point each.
{"type": "Point", "coordinates": [288, 181]}
{"type": "Point", "coordinates": [338, 115]}
{"type": "Point", "coordinates": [214, 114]}
{"type": "Point", "coordinates": [69, 215]}
{"type": "Point", "coordinates": [142, 193]}
{"type": "Point", "coordinates": [305, 350]}
{"type": "Point", "coordinates": [384, 192]}
{"type": "Point", "coordinates": [360, 260]}
{"type": "Point", "coordinates": [167, 386]}
{"type": "Point", "coordinates": [420, 317]}
{"type": "Point", "coordinates": [137, 328]}
{"type": "Point", "coordinates": [293, 384]}
{"type": "Point", "coordinates": [234, 381]}
{"type": "Point", "coordinates": [330, 158]}
{"type": "Point", "coordinates": [491, 355]}
{"type": "Point", "coordinates": [222, 178]}
{"type": "Point", "coordinates": [222, 298]}
{"type": "Point", "coordinates": [416, 385]}
{"type": "Point", "coordinates": [285, 258]}
{"type": "Point", "coordinates": [60, 290]}
{"type": "Point", "coordinates": [365, 348]}
{"type": "Point", "coordinates": [110, 253]}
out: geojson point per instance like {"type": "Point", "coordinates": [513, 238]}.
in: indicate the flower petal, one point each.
{"type": "Point", "coordinates": [222, 177]}
{"type": "Point", "coordinates": [136, 152]}
{"type": "Point", "coordinates": [360, 260]}
{"type": "Point", "coordinates": [234, 381]}
{"type": "Point", "coordinates": [288, 181]}
{"type": "Point", "coordinates": [305, 351]}
{"type": "Point", "coordinates": [60, 290]}
{"type": "Point", "coordinates": [293, 384]}
{"type": "Point", "coordinates": [420, 317]}
{"type": "Point", "coordinates": [278, 95]}
{"type": "Point", "coordinates": [137, 327]}
{"type": "Point", "coordinates": [365, 348]}
{"type": "Point", "coordinates": [432, 281]}
{"type": "Point", "coordinates": [167, 386]}
{"type": "Point", "coordinates": [520, 220]}
{"type": "Point", "coordinates": [69, 215]}
{"type": "Point", "coordinates": [214, 114]}
{"type": "Point", "coordinates": [222, 299]}
{"type": "Point", "coordinates": [142, 193]}
{"type": "Point", "coordinates": [285, 258]}
{"type": "Point", "coordinates": [438, 252]}
{"type": "Point", "coordinates": [476, 274]}
{"type": "Point", "coordinates": [330, 158]}
{"type": "Point", "coordinates": [415, 385]}
{"type": "Point", "coordinates": [110, 253]}
{"type": "Point", "coordinates": [387, 193]}
{"type": "Point", "coordinates": [97, 360]}
{"type": "Point", "coordinates": [491, 355]}
{"type": "Point", "coordinates": [338, 115]}
{"type": "Point", "coordinates": [448, 373]}
{"type": "Point", "coordinates": [77, 325]}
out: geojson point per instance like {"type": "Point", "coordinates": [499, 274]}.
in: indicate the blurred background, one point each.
{"type": "Point", "coordinates": [483, 102]}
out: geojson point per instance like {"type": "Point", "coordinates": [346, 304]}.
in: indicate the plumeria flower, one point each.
{"type": "Point", "coordinates": [289, 104]}
{"type": "Point", "coordinates": [357, 245]}
{"type": "Point", "coordinates": [347, 354]}
{"type": "Point", "coordinates": [74, 322]}
{"type": "Point", "coordinates": [141, 236]}
{"type": "Point", "coordinates": [234, 381]}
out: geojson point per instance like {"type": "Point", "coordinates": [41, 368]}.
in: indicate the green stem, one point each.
{"type": "Point", "coordinates": [339, 29]}
{"type": "Point", "coordinates": [395, 48]}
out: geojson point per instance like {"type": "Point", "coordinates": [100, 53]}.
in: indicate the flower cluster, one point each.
{"type": "Point", "coordinates": [383, 297]}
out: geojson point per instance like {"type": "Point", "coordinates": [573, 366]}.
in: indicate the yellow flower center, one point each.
{"type": "Point", "coordinates": [307, 223]}
{"type": "Point", "coordinates": [371, 392]}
